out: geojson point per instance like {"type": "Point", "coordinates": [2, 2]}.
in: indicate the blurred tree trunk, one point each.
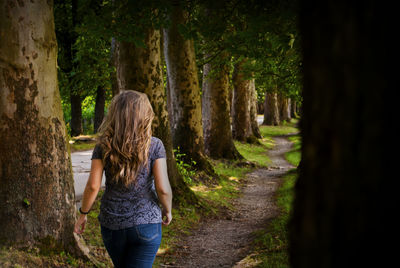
{"type": "Point", "coordinates": [293, 108]}
{"type": "Point", "coordinates": [345, 205]}
{"type": "Point", "coordinates": [216, 113]}
{"type": "Point", "coordinates": [253, 109]}
{"type": "Point", "coordinates": [184, 92]}
{"type": "Point", "coordinates": [37, 197]}
{"type": "Point", "coordinates": [99, 108]}
{"type": "Point", "coordinates": [113, 56]}
{"type": "Point", "coordinates": [242, 99]}
{"type": "Point", "coordinates": [75, 96]}
{"type": "Point", "coordinates": [76, 113]}
{"type": "Point", "coordinates": [271, 111]}
{"type": "Point", "coordinates": [283, 105]}
{"type": "Point", "coordinates": [140, 69]}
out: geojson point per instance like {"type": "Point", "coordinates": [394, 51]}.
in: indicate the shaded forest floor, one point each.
{"type": "Point", "coordinates": [226, 241]}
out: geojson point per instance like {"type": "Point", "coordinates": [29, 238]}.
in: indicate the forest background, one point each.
{"type": "Point", "coordinates": [201, 63]}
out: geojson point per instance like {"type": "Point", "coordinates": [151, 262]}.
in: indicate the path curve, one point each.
{"type": "Point", "coordinates": [224, 242]}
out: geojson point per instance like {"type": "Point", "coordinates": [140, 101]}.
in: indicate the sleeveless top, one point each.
{"type": "Point", "coordinates": [123, 207]}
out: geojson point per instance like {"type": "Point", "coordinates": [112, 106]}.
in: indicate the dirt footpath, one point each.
{"type": "Point", "coordinates": [224, 242]}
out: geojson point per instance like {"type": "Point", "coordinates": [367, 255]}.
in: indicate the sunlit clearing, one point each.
{"type": "Point", "coordinates": [204, 189]}
{"type": "Point", "coordinates": [234, 179]}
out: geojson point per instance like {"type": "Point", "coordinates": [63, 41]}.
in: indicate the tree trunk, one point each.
{"type": "Point", "coordinates": [253, 110]}
{"type": "Point", "coordinates": [241, 120]}
{"type": "Point", "coordinates": [75, 96]}
{"type": "Point", "coordinates": [283, 104]}
{"type": "Point", "coordinates": [346, 202]}
{"type": "Point", "coordinates": [113, 56]}
{"type": "Point", "coordinates": [260, 107]}
{"type": "Point", "coordinates": [140, 69]}
{"type": "Point", "coordinates": [187, 129]}
{"type": "Point", "coordinates": [37, 198]}
{"type": "Point", "coordinates": [216, 113]}
{"type": "Point", "coordinates": [76, 114]}
{"type": "Point", "coordinates": [271, 111]}
{"type": "Point", "coordinates": [99, 108]}
{"type": "Point", "coordinates": [293, 108]}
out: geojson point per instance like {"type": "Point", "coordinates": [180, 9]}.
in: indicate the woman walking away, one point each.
{"type": "Point", "coordinates": [136, 182]}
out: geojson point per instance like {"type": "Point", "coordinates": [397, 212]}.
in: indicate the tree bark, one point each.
{"type": "Point", "coordinates": [184, 92]}
{"type": "Point", "coordinates": [216, 113]}
{"type": "Point", "coordinates": [99, 108]}
{"type": "Point", "coordinates": [37, 198]}
{"type": "Point", "coordinates": [293, 108]}
{"type": "Point", "coordinates": [113, 58]}
{"type": "Point", "coordinates": [283, 104]}
{"type": "Point", "coordinates": [140, 69]}
{"type": "Point", "coordinates": [75, 96]}
{"type": "Point", "coordinates": [76, 113]}
{"type": "Point", "coordinates": [345, 199]}
{"type": "Point", "coordinates": [271, 111]}
{"type": "Point", "coordinates": [242, 98]}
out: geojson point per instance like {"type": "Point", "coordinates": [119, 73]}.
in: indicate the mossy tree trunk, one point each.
{"type": "Point", "coordinates": [271, 111]}
{"type": "Point", "coordinates": [184, 91]}
{"type": "Point", "coordinates": [140, 69]}
{"type": "Point", "coordinates": [37, 198]}
{"type": "Point", "coordinates": [284, 107]}
{"type": "Point", "coordinates": [242, 128]}
{"type": "Point", "coordinates": [346, 203]}
{"type": "Point", "coordinates": [216, 112]}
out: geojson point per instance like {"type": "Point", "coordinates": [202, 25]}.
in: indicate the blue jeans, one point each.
{"type": "Point", "coordinates": [133, 247]}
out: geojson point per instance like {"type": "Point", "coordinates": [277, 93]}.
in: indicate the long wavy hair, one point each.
{"type": "Point", "coordinates": [125, 135]}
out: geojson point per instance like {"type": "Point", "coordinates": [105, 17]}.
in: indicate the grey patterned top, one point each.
{"type": "Point", "coordinates": [124, 207]}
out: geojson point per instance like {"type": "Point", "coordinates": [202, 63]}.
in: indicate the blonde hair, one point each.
{"type": "Point", "coordinates": [125, 135]}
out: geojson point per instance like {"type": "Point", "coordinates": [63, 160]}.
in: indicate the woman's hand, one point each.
{"type": "Point", "coordinates": [167, 217]}
{"type": "Point", "coordinates": [80, 224]}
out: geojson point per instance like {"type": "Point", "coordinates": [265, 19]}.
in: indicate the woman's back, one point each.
{"type": "Point", "coordinates": [125, 206]}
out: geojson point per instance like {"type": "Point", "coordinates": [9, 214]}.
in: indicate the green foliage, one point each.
{"type": "Point", "coordinates": [185, 169]}
{"type": "Point", "coordinates": [294, 155]}
{"type": "Point", "coordinates": [84, 63]}
{"type": "Point", "coordinates": [264, 32]}
{"type": "Point", "coordinates": [277, 130]}
{"type": "Point", "coordinates": [255, 153]}
{"type": "Point", "coordinates": [26, 202]}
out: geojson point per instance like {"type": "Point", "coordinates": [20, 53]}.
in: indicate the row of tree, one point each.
{"type": "Point", "coordinates": [186, 56]}
{"type": "Point", "coordinates": [203, 64]}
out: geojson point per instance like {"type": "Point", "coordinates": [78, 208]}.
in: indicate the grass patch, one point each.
{"type": "Point", "coordinates": [271, 246]}
{"type": "Point", "coordinates": [294, 155]}
{"type": "Point", "coordinates": [284, 129]}
{"type": "Point", "coordinates": [256, 153]}
{"type": "Point", "coordinates": [31, 257]}
{"type": "Point", "coordinates": [82, 143]}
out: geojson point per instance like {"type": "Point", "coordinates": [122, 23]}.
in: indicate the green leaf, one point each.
{"type": "Point", "coordinates": [26, 202]}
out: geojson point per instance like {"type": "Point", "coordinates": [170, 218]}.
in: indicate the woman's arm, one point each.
{"type": "Point", "coordinates": [89, 195]}
{"type": "Point", "coordinates": [163, 188]}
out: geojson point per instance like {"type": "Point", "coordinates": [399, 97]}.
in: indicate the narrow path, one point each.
{"type": "Point", "coordinates": [224, 242]}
